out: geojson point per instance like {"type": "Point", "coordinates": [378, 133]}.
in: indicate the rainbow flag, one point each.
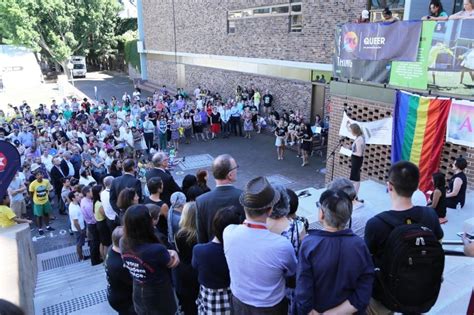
{"type": "Point", "coordinates": [419, 129]}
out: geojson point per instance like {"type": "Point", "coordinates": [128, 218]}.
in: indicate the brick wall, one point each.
{"type": "Point", "coordinates": [377, 157]}
{"type": "Point", "coordinates": [286, 94]}
{"type": "Point", "coordinates": [201, 27]}
{"type": "Point", "coordinates": [162, 73]}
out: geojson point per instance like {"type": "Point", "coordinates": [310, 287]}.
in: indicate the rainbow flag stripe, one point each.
{"type": "Point", "coordinates": [419, 129]}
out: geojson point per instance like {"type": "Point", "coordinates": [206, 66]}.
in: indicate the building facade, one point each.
{"type": "Point", "coordinates": [276, 45]}
{"type": "Point", "coordinates": [280, 46]}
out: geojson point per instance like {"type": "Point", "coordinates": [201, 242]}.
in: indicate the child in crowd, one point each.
{"type": "Point", "coordinates": [7, 216]}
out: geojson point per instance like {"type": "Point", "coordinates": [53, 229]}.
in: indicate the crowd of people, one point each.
{"type": "Point", "coordinates": [436, 12]}
{"type": "Point", "coordinates": [169, 247]}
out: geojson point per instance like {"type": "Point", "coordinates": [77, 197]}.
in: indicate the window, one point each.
{"type": "Point", "coordinates": [247, 13]}
{"type": "Point", "coordinates": [230, 27]}
{"type": "Point", "coordinates": [261, 11]}
{"type": "Point", "coordinates": [280, 10]}
{"type": "Point", "coordinates": [296, 23]}
{"type": "Point", "coordinates": [292, 10]}
{"type": "Point", "coordinates": [296, 8]}
{"type": "Point", "coordinates": [234, 15]}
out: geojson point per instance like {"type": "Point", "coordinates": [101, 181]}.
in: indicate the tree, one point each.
{"type": "Point", "coordinates": [60, 28]}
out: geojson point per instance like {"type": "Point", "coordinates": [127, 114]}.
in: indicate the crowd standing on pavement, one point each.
{"type": "Point", "coordinates": [168, 247]}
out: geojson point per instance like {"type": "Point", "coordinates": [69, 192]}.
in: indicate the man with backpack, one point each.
{"type": "Point", "coordinates": [404, 243]}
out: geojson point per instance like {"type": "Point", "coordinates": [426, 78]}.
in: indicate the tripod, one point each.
{"type": "Point", "coordinates": [333, 155]}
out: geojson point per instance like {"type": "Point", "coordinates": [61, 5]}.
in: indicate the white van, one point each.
{"type": "Point", "coordinates": [79, 66]}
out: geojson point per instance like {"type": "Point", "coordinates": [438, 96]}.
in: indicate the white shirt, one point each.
{"type": "Point", "coordinates": [75, 213]}
{"type": "Point", "coordinates": [259, 261]}
{"type": "Point", "coordinates": [47, 161]}
{"type": "Point", "coordinates": [105, 199]}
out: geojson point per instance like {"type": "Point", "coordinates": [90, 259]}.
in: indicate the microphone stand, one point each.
{"type": "Point", "coordinates": [333, 155]}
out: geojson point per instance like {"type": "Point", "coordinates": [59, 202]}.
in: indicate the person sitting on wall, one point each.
{"type": "Point", "coordinates": [388, 16]}
{"type": "Point", "coordinates": [436, 12]}
{"type": "Point", "coordinates": [466, 13]}
{"type": "Point", "coordinates": [364, 17]}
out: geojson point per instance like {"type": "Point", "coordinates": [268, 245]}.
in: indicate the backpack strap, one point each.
{"type": "Point", "coordinates": [393, 221]}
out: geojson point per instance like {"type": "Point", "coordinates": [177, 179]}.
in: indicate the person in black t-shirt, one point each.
{"type": "Point", "coordinates": [120, 287]}
{"type": "Point", "coordinates": [403, 178]}
{"type": "Point", "coordinates": [457, 184]}
{"type": "Point", "coordinates": [267, 102]}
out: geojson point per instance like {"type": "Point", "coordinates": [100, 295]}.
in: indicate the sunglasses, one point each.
{"type": "Point", "coordinates": [233, 168]}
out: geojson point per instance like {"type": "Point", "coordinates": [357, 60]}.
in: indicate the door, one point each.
{"type": "Point", "coordinates": [317, 101]}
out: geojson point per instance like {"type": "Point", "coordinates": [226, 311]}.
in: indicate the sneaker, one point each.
{"type": "Point", "coordinates": [40, 231]}
{"type": "Point", "coordinates": [50, 228]}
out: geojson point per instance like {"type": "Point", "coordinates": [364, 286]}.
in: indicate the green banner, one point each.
{"type": "Point", "coordinates": [414, 74]}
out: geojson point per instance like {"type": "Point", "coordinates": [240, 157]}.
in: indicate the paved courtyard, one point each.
{"type": "Point", "coordinates": [255, 157]}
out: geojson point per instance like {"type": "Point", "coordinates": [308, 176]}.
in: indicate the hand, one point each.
{"type": "Point", "coordinates": [174, 259]}
{"type": "Point", "coordinates": [313, 312]}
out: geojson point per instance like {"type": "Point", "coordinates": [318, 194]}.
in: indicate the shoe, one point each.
{"type": "Point", "coordinates": [40, 231]}
{"type": "Point", "coordinates": [48, 228]}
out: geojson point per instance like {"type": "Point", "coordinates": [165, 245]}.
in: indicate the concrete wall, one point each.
{"type": "Point", "coordinates": [18, 267]}
{"type": "Point", "coordinates": [365, 103]}
{"type": "Point", "coordinates": [201, 27]}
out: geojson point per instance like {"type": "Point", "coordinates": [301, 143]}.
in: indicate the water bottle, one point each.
{"type": "Point", "coordinates": [171, 156]}
{"type": "Point", "coordinates": [458, 207]}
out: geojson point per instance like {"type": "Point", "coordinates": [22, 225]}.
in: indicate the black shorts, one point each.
{"type": "Point", "coordinates": [356, 165]}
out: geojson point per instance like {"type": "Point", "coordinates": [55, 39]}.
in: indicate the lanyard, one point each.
{"type": "Point", "coordinates": [258, 226]}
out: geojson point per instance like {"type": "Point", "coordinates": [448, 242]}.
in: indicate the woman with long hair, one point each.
{"type": "Point", "coordinates": [148, 262]}
{"type": "Point", "coordinates": [126, 198]}
{"type": "Point", "coordinates": [201, 177]}
{"type": "Point", "coordinates": [438, 197]}
{"type": "Point", "coordinates": [357, 157]}
{"type": "Point", "coordinates": [187, 287]}
{"type": "Point", "coordinates": [99, 214]}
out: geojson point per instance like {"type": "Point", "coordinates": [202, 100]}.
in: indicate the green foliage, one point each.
{"type": "Point", "coordinates": [126, 25]}
{"type": "Point", "coordinates": [60, 28]}
{"type": "Point", "coordinates": [131, 53]}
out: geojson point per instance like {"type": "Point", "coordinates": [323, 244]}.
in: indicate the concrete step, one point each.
{"type": "Point", "coordinates": [69, 276]}
{"type": "Point", "coordinates": [71, 288]}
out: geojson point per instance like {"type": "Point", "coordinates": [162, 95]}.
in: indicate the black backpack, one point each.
{"type": "Point", "coordinates": [411, 269]}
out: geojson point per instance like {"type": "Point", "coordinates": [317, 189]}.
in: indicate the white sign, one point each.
{"type": "Point", "coordinates": [375, 132]}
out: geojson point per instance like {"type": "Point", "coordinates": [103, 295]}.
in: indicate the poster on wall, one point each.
{"type": "Point", "coordinates": [414, 74]}
{"type": "Point", "coordinates": [9, 164]}
{"type": "Point", "coordinates": [451, 57]}
{"type": "Point", "coordinates": [461, 123]}
{"type": "Point", "coordinates": [381, 41]}
{"type": "Point", "coordinates": [377, 71]}
{"type": "Point", "coordinates": [419, 126]}
{"type": "Point", "coordinates": [375, 132]}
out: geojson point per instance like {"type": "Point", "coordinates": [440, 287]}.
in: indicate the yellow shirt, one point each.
{"type": "Point", "coordinates": [6, 217]}
{"type": "Point", "coordinates": [40, 191]}
{"type": "Point", "coordinates": [98, 216]}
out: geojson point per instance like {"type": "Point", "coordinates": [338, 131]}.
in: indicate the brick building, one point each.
{"type": "Point", "coordinates": [272, 44]}
{"type": "Point", "coordinates": [280, 46]}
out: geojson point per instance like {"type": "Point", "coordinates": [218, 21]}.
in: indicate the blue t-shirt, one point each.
{"type": "Point", "coordinates": [147, 263]}
{"type": "Point", "coordinates": [211, 265]}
